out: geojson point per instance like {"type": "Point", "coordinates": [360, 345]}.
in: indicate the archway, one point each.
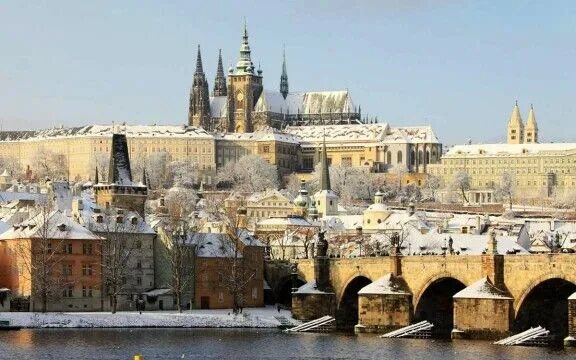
{"type": "Point", "coordinates": [283, 291]}
{"type": "Point", "coordinates": [347, 313]}
{"type": "Point", "coordinates": [437, 306]}
{"type": "Point", "coordinates": [546, 305]}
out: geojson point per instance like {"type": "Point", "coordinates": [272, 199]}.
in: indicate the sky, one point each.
{"type": "Point", "coordinates": [458, 66]}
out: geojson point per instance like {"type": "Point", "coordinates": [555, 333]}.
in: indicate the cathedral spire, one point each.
{"type": "Point", "coordinates": [284, 77]}
{"type": "Point", "coordinates": [199, 69]}
{"type": "Point", "coordinates": [531, 128]}
{"type": "Point", "coordinates": [244, 64]}
{"type": "Point", "coordinates": [515, 126]}
{"type": "Point", "coordinates": [324, 171]}
{"type": "Point", "coordinates": [199, 106]}
{"type": "Point", "coordinates": [220, 81]}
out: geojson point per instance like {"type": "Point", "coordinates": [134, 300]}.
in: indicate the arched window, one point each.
{"type": "Point", "coordinates": [427, 157]}
{"type": "Point", "coordinates": [389, 157]}
{"type": "Point", "coordinates": [412, 158]}
{"type": "Point", "coordinates": [420, 156]}
{"type": "Point", "coordinates": [399, 157]}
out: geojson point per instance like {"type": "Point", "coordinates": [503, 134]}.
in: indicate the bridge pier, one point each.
{"type": "Point", "coordinates": [384, 305]}
{"type": "Point", "coordinates": [482, 311]}
{"type": "Point", "coordinates": [570, 340]}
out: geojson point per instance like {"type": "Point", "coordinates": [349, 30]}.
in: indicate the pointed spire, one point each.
{"type": "Point", "coordinates": [244, 64]}
{"type": "Point", "coordinates": [199, 69]}
{"type": "Point", "coordinates": [220, 81]}
{"type": "Point", "coordinates": [531, 122]}
{"type": "Point", "coordinates": [284, 76]}
{"type": "Point", "coordinates": [325, 172]}
{"type": "Point", "coordinates": [515, 117]}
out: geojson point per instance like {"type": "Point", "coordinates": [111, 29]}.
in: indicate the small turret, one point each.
{"type": "Point", "coordinates": [199, 109]}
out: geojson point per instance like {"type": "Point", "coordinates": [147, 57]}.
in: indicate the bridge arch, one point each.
{"type": "Point", "coordinates": [435, 302]}
{"type": "Point", "coordinates": [544, 303]}
{"type": "Point", "coordinates": [417, 294]}
{"type": "Point", "coordinates": [347, 311]}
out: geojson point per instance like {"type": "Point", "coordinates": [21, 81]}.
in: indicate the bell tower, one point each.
{"type": "Point", "coordinates": [244, 89]}
{"type": "Point", "coordinates": [199, 107]}
{"type": "Point", "coordinates": [515, 127]}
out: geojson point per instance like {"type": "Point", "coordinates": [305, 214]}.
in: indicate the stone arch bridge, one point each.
{"type": "Point", "coordinates": [484, 296]}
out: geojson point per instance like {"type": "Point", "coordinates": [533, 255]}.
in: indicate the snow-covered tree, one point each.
{"type": "Point", "coordinates": [505, 189]}
{"type": "Point", "coordinates": [250, 174]}
{"type": "Point", "coordinates": [184, 174]}
{"type": "Point", "coordinates": [461, 183]}
{"type": "Point", "coordinates": [11, 165]}
{"type": "Point", "coordinates": [431, 186]}
{"type": "Point", "coordinates": [50, 164]}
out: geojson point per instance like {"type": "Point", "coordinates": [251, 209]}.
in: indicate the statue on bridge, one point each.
{"type": "Point", "coordinates": [321, 244]}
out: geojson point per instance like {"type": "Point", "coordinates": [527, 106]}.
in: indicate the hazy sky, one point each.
{"type": "Point", "coordinates": [456, 65]}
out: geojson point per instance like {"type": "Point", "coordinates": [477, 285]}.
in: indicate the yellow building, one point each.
{"type": "Point", "coordinates": [378, 147]}
{"type": "Point", "coordinates": [537, 170]}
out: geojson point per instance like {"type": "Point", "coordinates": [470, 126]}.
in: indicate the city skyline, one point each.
{"type": "Point", "coordinates": [458, 67]}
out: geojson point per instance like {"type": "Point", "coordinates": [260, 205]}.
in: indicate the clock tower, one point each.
{"type": "Point", "coordinates": [244, 89]}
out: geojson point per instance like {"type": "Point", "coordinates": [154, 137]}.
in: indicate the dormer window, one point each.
{"type": "Point", "coordinates": [62, 227]}
{"type": "Point", "coordinates": [134, 220]}
{"type": "Point", "coordinates": [99, 219]}
{"type": "Point", "coordinates": [119, 219]}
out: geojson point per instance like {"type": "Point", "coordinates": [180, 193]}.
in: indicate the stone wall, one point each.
{"type": "Point", "coordinates": [482, 318]}
{"type": "Point", "coordinates": [383, 313]}
{"type": "Point", "coordinates": [312, 306]}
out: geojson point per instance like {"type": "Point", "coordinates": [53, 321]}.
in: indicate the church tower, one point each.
{"type": "Point", "coordinates": [515, 127]}
{"type": "Point", "coordinates": [284, 77]}
{"type": "Point", "coordinates": [220, 81]}
{"type": "Point", "coordinates": [531, 129]}
{"type": "Point", "coordinates": [199, 109]}
{"type": "Point", "coordinates": [326, 199]}
{"type": "Point", "coordinates": [244, 89]}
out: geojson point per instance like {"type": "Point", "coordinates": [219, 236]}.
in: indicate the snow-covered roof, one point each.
{"type": "Point", "coordinates": [218, 106]}
{"type": "Point", "coordinates": [285, 221]}
{"type": "Point", "coordinates": [509, 149]}
{"type": "Point", "coordinates": [363, 134]}
{"type": "Point", "coordinates": [263, 195]}
{"type": "Point", "coordinates": [311, 102]}
{"type": "Point", "coordinates": [388, 284]}
{"type": "Point", "coordinates": [309, 288]}
{"type": "Point", "coordinates": [6, 196]}
{"type": "Point", "coordinates": [158, 292]}
{"type": "Point", "coordinates": [53, 225]}
{"type": "Point", "coordinates": [132, 222]}
{"type": "Point", "coordinates": [482, 289]}
{"type": "Point", "coordinates": [265, 134]}
{"type": "Point", "coordinates": [213, 245]}
{"type": "Point", "coordinates": [131, 131]}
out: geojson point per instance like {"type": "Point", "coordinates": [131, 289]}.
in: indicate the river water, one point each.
{"type": "Point", "coordinates": [245, 344]}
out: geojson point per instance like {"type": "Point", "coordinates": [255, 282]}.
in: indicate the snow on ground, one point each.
{"type": "Point", "coordinates": [250, 318]}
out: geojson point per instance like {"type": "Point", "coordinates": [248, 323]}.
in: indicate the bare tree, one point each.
{"type": "Point", "coordinates": [117, 250]}
{"type": "Point", "coordinates": [181, 251]}
{"type": "Point", "coordinates": [41, 256]}
{"type": "Point", "coordinates": [184, 174]}
{"type": "Point", "coordinates": [461, 182]}
{"type": "Point", "coordinates": [431, 186]}
{"type": "Point", "coordinates": [236, 272]}
{"type": "Point", "coordinates": [12, 165]}
{"type": "Point", "coordinates": [506, 188]}
{"type": "Point", "coordinates": [48, 163]}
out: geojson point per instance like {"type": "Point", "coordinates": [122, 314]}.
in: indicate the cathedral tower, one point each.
{"type": "Point", "coordinates": [284, 77]}
{"type": "Point", "coordinates": [515, 127]}
{"type": "Point", "coordinates": [220, 81]}
{"type": "Point", "coordinates": [531, 129]}
{"type": "Point", "coordinates": [244, 89]}
{"type": "Point", "coordinates": [199, 109]}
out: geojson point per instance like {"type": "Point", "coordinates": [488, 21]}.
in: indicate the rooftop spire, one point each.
{"type": "Point", "coordinates": [284, 76]}
{"type": "Point", "coordinates": [220, 81]}
{"type": "Point", "coordinates": [244, 64]}
{"type": "Point", "coordinates": [325, 172]}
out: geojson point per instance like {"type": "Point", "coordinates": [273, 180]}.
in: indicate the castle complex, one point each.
{"type": "Point", "coordinates": [240, 118]}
